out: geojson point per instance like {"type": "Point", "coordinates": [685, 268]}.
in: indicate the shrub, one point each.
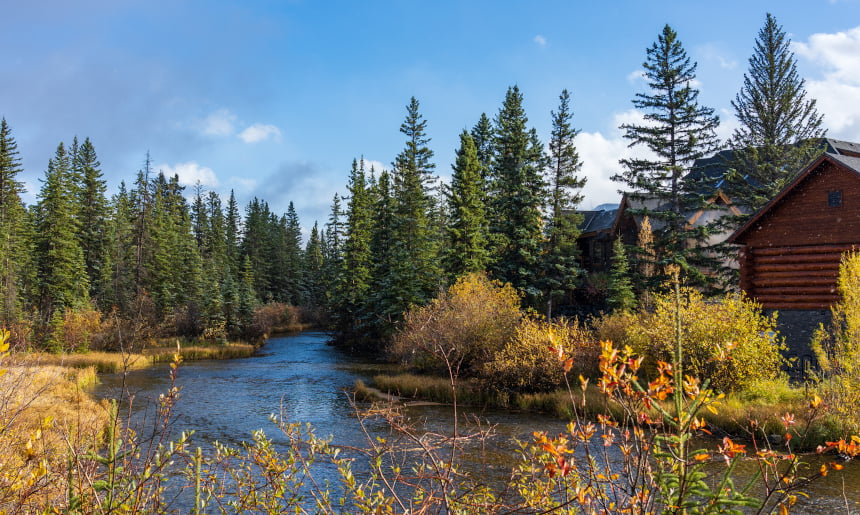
{"type": "Point", "coordinates": [837, 349]}
{"type": "Point", "coordinates": [733, 328]}
{"type": "Point", "coordinates": [467, 326]}
{"type": "Point", "coordinates": [530, 361]}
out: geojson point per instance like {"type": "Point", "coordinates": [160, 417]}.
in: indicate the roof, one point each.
{"type": "Point", "coordinates": [848, 161]}
{"type": "Point", "coordinates": [649, 203]}
{"type": "Point", "coordinates": [598, 220]}
{"type": "Point", "coordinates": [840, 147]}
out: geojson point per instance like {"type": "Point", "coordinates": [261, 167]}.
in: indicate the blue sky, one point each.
{"type": "Point", "coordinates": [275, 98]}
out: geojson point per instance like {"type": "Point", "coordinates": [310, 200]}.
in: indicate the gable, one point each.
{"type": "Point", "coordinates": [822, 207]}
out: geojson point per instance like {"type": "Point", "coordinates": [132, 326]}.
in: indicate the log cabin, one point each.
{"type": "Point", "coordinates": [596, 237]}
{"type": "Point", "coordinates": [790, 249]}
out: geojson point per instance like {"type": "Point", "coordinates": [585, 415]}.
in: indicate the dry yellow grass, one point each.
{"type": "Point", "coordinates": [45, 417]}
{"type": "Point", "coordinates": [104, 362]}
{"type": "Point", "coordinates": [197, 352]}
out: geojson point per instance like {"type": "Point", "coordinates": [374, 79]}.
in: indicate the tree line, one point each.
{"type": "Point", "coordinates": [398, 236]}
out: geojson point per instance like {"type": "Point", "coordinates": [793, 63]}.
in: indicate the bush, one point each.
{"type": "Point", "coordinates": [837, 349]}
{"type": "Point", "coordinates": [468, 325]}
{"type": "Point", "coordinates": [530, 361]}
{"type": "Point", "coordinates": [728, 341]}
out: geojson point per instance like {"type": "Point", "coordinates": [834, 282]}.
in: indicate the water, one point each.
{"type": "Point", "coordinates": [305, 379]}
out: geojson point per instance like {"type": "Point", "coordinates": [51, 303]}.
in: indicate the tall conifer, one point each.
{"type": "Point", "coordinates": [561, 258]}
{"type": "Point", "coordinates": [519, 193]}
{"type": "Point", "coordinates": [779, 127]}
{"type": "Point", "coordinates": [677, 131]}
{"type": "Point", "coordinates": [468, 242]}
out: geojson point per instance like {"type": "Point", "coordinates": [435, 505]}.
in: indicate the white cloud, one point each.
{"type": "Point", "coordinates": [219, 123]}
{"type": "Point", "coordinates": [600, 154]}
{"type": "Point", "coordinates": [260, 132]}
{"type": "Point", "coordinates": [636, 76]}
{"type": "Point", "coordinates": [837, 57]}
{"type": "Point", "coordinates": [377, 166]}
{"type": "Point", "coordinates": [190, 173]}
{"type": "Point", "coordinates": [540, 40]}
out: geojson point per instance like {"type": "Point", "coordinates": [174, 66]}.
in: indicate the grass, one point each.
{"type": "Point", "coordinates": [103, 362]}
{"type": "Point", "coordinates": [765, 404]}
{"type": "Point", "coordinates": [44, 414]}
{"type": "Point", "coordinates": [199, 352]}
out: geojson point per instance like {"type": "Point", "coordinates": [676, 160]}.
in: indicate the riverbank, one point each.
{"type": "Point", "coordinates": [736, 415]}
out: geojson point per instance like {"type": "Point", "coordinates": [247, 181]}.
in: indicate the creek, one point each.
{"type": "Point", "coordinates": [304, 379]}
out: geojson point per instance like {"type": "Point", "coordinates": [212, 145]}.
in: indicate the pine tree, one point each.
{"type": "Point", "coordinates": [468, 241]}
{"type": "Point", "coordinates": [780, 129]}
{"type": "Point", "coordinates": [561, 257]}
{"type": "Point", "coordinates": [621, 297]}
{"type": "Point", "coordinates": [14, 251]}
{"type": "Point", "coordinates": [92, 217]}
{"type": "Point", "coordinates": [516, 224]}
{"type": "Point", "coordinates": [60, 260]}
{"type": "Point", "coordinates": [677, 131]}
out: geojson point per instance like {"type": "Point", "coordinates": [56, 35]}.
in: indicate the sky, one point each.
{"type": "Point", "coordinates": [275, 98]}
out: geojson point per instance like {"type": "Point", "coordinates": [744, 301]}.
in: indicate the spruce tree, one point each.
{"type": "Point", "coordinates": [561, 257]}
{"type": "Point", "coordinates": [61, 267]}
{"type": "Point", "coordinates": [93, 218]}
{"type": "Point", "coordinates": [415, 270]}
{"type": "Point", "coordinates": [780, 129]}
{"type": "Point", "coordinates": [356, 265]}
{"type": "Point", "coordinates": [314, 262]}
{"type": "Point", "coordinates": [677, 131]}
{"type": "Point", "coordinates": [482, 135]}
{"type": "Point", "coordinates": [14, 251]}
{"type": "Point", "coordinates": [467, 249]}
{"type": "Point", "coordinates": [519, 193]}
{"type": "Point", "coordinates": [621, 297]}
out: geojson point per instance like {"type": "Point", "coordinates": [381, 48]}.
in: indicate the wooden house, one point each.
{"type": "Point", "coordinates": [596, 237]}
{"type": "Point", "coordinates": [790, 249]}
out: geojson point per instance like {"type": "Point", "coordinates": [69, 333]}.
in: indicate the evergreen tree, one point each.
{"type": "Point", "coordinates": [92, 217]}
{"type": "Point", "coordinates": [467, 249]}
{"type": "Point", "coordinates": [621, 297]}
{"type": "Point", "coordinates": [383, 297]}
{"type": "Point", "coordinates": [120, 285]}
{"type": "Point", "coordinates": [779, 127]}
{"type": "Point", "coordinates": [314, 262]}
{"type": "Point", "coordinates": [561, 257]}
{"type": "Point", "coordinates": [14, 251]}
{"type": "Point", "coordinates": [516, 223]}
{"type": "Point", "coordinates": [60, 260]}
{"type": "Point", "coordinates": [232, 221]}
{"type": "Point", "coordinates": [332, 249]}
{"type": "Point", "coordinates": [292, 249]}
{"type": "Point", "coordinates": [482, 135]}
{"type": "Point", "coordinates": [677, 131]}
{"type": "Point", "coordinates": [415, 271]}
{"type": "Point", "coordinates": [356, 265]}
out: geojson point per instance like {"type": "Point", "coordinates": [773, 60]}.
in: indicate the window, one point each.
{"type": "Point", "coordinates": [834, 198]}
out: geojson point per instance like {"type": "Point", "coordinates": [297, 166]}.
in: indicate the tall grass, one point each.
{"type": "Point", "coordinates": [103, 362]}
{"type": "Point", "coordinates": [198, 352]}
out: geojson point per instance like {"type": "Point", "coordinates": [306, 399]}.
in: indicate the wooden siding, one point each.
{"type": "Point", "coordinates": [790, 258]}
{"type": "Point", "coordinates": [803, 217]}
{"type": "Point", "coordinates": [792, 277]}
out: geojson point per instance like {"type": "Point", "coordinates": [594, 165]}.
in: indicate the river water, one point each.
{"type": "Point", "coordinates": [306, 380]}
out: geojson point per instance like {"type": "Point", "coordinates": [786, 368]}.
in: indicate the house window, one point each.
{"type": "Point", "coordinates": [834, 198]}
